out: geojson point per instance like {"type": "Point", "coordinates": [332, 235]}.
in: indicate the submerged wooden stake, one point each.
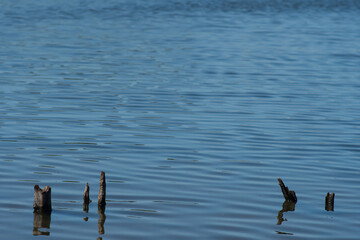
{"type": "Point", "coordinates": [86, 194]}
{"type": "Point", "coordinates": [288, 195]}
{"type": "Point", "coordinates": [42, 199]}
{"type": "Point", "coordinates": [102, 203]}
{"type": "Point", "coordinates": [102, 191]}
{"type": "Point", "coordinates": [86, 198]}
{"type": "Point", "coordinates": [329, 201]}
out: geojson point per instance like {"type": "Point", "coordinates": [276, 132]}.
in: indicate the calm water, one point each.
{"type": "Point", "coordinates": [192, 108]}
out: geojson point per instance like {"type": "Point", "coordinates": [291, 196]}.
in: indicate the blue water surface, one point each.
{"type": "Point", "coordinates": [192, 108]}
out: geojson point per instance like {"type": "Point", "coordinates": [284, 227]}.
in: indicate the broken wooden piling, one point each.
{"type": "Point", "coordinates": [86, 198]}
{"type": "Point", "coordinates": [329, 201]}
{"type": "Point", "coordinates": [42, 199]}
{"type": "Point", "coordinates": [102, 191]}
{"type": "Point", "coordinates": [288, 195]}
{"type": "Point", "coordinates": [86, 194]}
{"type": "Point", "coordinates": [102, 203]}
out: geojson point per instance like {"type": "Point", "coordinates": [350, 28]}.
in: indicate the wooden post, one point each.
{"type": "Point", "coordinates": [42, 199]}
{"type": "Point", "coordinates": [288, 195]}
{"type": "Point", "coordinates": [102, 203]}
{"type": "Point", "coordinates": [102, 191]}
{"type": "Point", "coordinates": [329, 201]}
{"type": "Point", "coordinates": [86, 194]}
{"type": "Point", "coordinates": [86, 198]}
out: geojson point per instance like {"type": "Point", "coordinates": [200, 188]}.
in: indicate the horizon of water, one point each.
{"type": "Point", "coordinates": [192, 108]}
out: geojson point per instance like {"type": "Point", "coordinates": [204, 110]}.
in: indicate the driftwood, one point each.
{"type": "Point", "coordinates": [329, 201]}
{"type": "Point", "coordinates": [102, 191]}
{"type": "Point", "coordinates": [288, 195]}
{"type": "Point", "coordinates": [42, 199]}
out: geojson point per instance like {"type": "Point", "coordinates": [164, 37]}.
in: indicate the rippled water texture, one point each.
{"type": "Point", "coordinates": [192, 108]}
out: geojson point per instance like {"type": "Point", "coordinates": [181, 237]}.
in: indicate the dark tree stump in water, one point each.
{"type": "Point", "coordinates": [288, 195]}
{"type": "Point", "coordinates": [329, 201]}
{"type": "Point", "coordinates": [102, 203]}
{"type": "Point", "coordinates": [102, 191]}
{"type": "Point", "coordinates": [86, 198]}
{"type": "Point", "coordinates": [42, 199]}
{"type": "Point", "coordinates": [86, 194]}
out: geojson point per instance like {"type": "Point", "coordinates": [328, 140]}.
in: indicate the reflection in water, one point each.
{"type": "Point", "coordinates": [284, 233]}
{"type": "Point", "coordinates": [102, 218]}
{"type": "Point", "coordinates": [41, 220]}
{"type": "Point", "coordinates": [286, 207]}
{"type": "Point", "coordinates": [86, 207]}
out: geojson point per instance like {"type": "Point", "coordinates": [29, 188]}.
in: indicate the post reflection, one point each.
{"type": "Point", "coordinates": [41, 220]}
{"type": "Point", "coordinates": [286, 207]}
{"type": "Point", "coordinates": [86, 207]}
{"type": "Point", "coordinates": [102, 218]}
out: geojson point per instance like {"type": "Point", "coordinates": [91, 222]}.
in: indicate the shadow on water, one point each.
{"type": "Point", "coordinates": [41, 220]}
{"type": "Point", "coordinates": [286, 207]}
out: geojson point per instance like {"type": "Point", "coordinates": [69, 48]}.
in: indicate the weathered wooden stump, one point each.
{"type": "Point", "coordinates": [86, 194]}
{"type": "Point", "coordinates": [288, 195]}
{"type": "Point", "coordinates": [102, 203]}
{"type": "Point", "coordinates": [329, 201]}
{"type": "Point", "coordinates": [102, 191]}
{"type": "Point", "coordinates": [42, 199]}
{"type": "Point", "coordinates": [86, 198]}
